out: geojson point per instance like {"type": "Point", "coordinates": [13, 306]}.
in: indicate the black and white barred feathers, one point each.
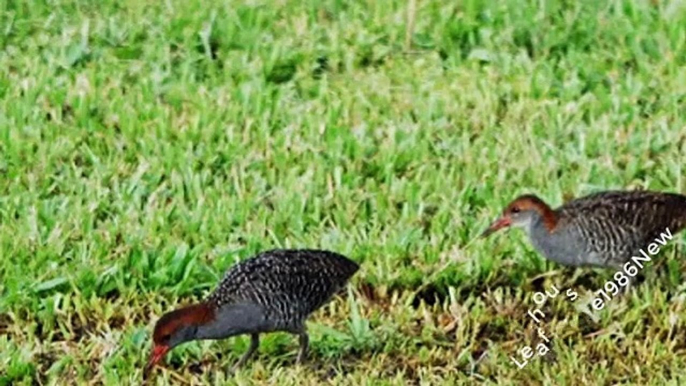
{"type": "Point", "coordinates": [289, 284]}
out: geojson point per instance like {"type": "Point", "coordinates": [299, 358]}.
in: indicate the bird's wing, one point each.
{"type": "Point", "coordinates": [623, 222]}
{"type": "Point", "coordinates": [280, 275]}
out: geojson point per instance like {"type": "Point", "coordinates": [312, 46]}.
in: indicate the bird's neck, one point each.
{"type": "Point", "coordinates": [214, 330]}
{"type": "Point", "coordinates": [233, 319]}
{"type": "Point", "coordinates": [547, 218]}
{"type": "Point", "coordinates": [537, 228]}
{"type": "Point", "coordinates": [543, 223]}
{"type": "Point", "coordinates": [549, 243]}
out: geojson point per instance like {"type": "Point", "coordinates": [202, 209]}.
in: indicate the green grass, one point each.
{"type": "Point", "coordinates": [146, 146]}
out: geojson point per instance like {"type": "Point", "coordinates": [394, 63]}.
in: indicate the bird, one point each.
{"type": "Point", "coordinates": [275, 290]}
{"type": "Point", "coordinates": [602, 230]}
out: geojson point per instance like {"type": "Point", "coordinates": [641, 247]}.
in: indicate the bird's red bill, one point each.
{"type": "Point", "coordinates": [158, 353]}
{"type": "Point", "coordinates": [497, 224]}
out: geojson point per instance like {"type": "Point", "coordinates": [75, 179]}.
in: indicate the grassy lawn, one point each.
{"type": "Point", "coordinates": [146, 146]}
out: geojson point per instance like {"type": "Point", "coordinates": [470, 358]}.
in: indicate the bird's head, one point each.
{"type": "Point", "coordinates": [177, 327]}
{"type": "Point", "coordinates": [521, 212]}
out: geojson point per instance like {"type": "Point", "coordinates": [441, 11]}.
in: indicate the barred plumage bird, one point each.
{"type": "Point", "coordinates": [604, 229]}
{"type": "Point", "coordinates": [276, 290]}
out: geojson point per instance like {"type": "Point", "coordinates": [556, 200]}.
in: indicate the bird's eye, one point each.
{"type": "Point", "coordinates": [166, 337]}
{"type": "Point", "coordinates": [515, 210]}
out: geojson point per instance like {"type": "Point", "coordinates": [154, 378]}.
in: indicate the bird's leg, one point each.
{"type": "Point", "coordinates": [304, 345]}
{"type": "Point", "coordinates": [254, 343]}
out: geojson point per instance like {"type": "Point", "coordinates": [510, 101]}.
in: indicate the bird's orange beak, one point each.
{"type": "Point", "coordinates": [158, 352]}
{"type": "Point", "coordinates": [500, 223]}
